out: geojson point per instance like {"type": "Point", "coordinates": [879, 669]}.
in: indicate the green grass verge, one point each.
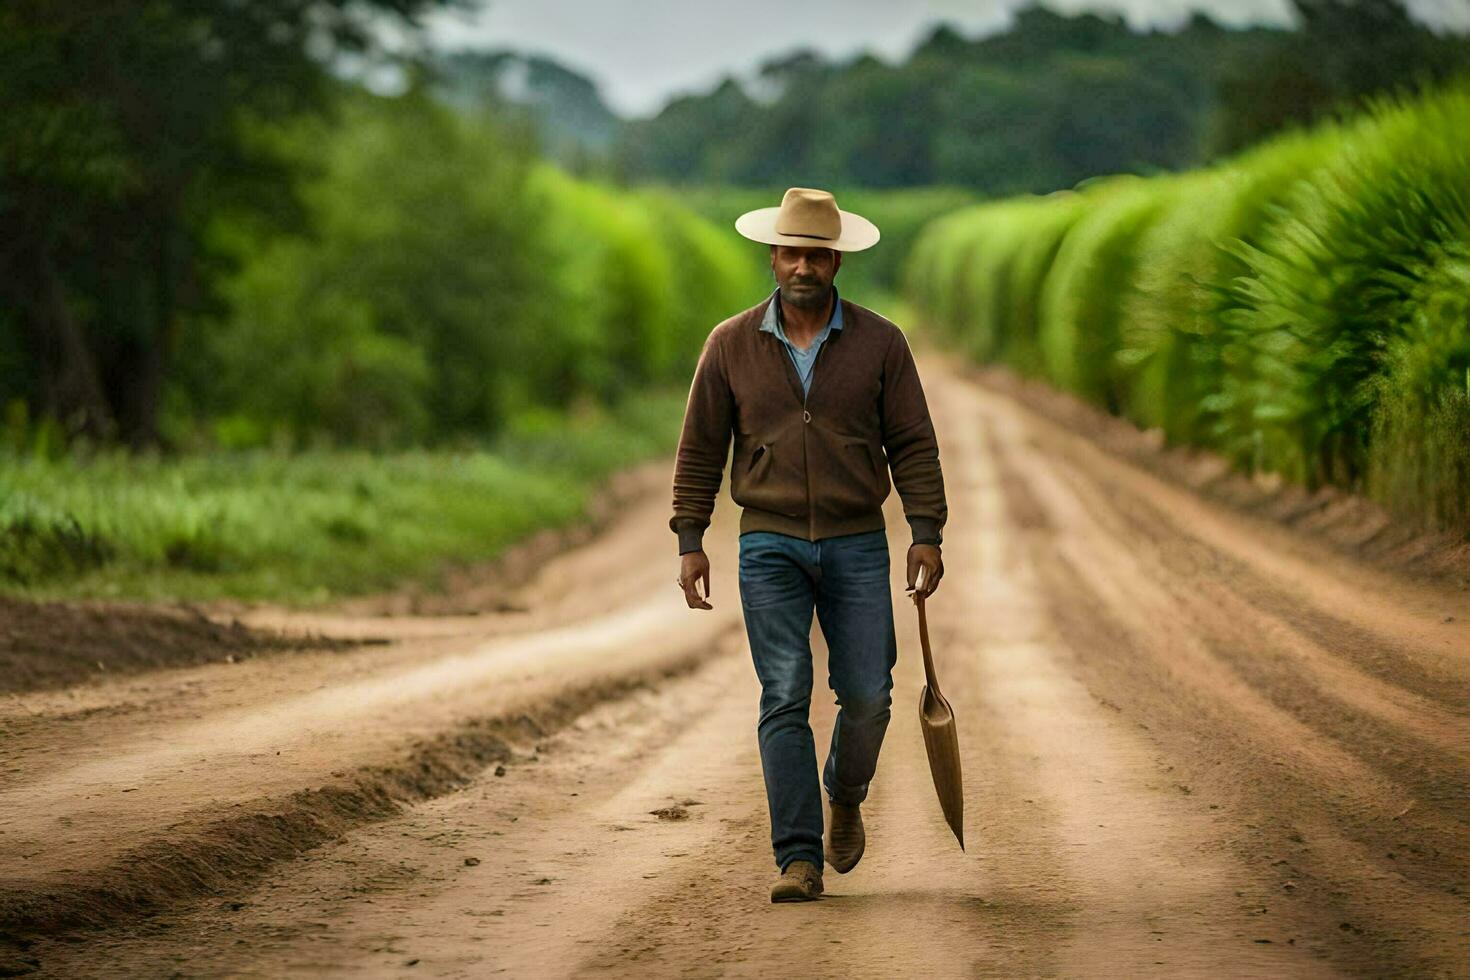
{"type": "Point", "coordinates": [306, 527]}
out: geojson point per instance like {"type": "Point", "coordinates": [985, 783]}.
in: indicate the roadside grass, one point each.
{"type": "Point", "coordinates": [301, 528]}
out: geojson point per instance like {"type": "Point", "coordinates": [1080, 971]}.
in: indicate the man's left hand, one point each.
{"type": "Point", "coordinates": [925, 556]}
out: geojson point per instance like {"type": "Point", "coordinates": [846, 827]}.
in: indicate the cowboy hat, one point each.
{"type": "Point", "coordinates": [808, 217]}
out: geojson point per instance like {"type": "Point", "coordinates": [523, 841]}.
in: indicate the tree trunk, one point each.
{"type": "Point", "coordinates": [138, 390]}
{"type": "Point", "coordinates": [139, 393]}
{"type": "Point", "coordinates": [70, 383]}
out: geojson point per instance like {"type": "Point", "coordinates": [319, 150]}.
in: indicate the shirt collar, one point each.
{"type": "Point", "coordinates": [772, 322]}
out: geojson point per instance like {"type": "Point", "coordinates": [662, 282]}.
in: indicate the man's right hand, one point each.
{"type": "Point", "coordinates": [693, 567]}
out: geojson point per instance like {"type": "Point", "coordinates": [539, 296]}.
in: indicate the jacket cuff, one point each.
{"type": "Point", "coordinates": [691, 537]}
{"type": "Point", "coordinates": [926, 530]}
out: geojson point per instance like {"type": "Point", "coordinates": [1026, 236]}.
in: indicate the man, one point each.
{"type": "Point", "coordinates": [823, 399]}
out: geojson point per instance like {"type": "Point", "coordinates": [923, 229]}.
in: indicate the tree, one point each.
{"type": "Point", "coordinates": [1342, 52]}
{"type": "Point", "coordinates": [128, 130]}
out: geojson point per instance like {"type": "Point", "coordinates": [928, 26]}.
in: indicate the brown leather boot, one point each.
{"type": "Point", "coordinates": [845, 838]}
{"type": "Point", "coordinates": [800, 882]}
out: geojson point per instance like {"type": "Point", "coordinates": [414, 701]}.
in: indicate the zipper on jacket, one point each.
{"type": "Point", "coordinates": [806, 417]}
{"type": "Point", "coordinates": [806, 422]}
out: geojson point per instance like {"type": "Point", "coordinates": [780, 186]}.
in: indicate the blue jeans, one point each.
{"type": "Point", "coordinates": [846, 579]}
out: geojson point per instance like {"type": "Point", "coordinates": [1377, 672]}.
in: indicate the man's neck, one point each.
{"type": "Point", "coordinates": [803, 325]}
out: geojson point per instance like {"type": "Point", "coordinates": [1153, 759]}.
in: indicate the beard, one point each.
{"type": "Point", "coordinates": [806, 294]}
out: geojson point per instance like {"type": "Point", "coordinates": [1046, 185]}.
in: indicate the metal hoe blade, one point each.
{"type": "Point", "coordinates": [941, 736]}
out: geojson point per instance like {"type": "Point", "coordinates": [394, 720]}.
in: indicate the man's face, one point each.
{"type": "Point", "coordinates": [805, 274]}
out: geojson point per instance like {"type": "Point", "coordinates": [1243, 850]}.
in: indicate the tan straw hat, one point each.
{"type": "Point", "coordinates": [808, 217]}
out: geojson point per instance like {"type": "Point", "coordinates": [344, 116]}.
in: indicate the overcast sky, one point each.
{"type": "Point", "coordinates": [640, 52]}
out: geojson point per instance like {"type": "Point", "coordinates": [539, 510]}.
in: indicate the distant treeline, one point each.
{"type": "Point", "coordinates": [1053, 100]}
{"type": "Point", "coordinates": [1303, 308]}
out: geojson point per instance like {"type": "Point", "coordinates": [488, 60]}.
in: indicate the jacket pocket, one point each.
{"type": "Point", "coordinates": [877, 481]}
{"type": "Point", "coordinates": [849, 483]}
{"type": "Point", "coordinates": [761, 453]}
{"type": "Point", "coordinates": [770, 481]}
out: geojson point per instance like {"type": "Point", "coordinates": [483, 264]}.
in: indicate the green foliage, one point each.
{"type": "Point", "coordinates": [1342, 52]}
{"type": "Point", "coordinates": [1175, 306]}
{"type": "Point", "coordinates": [900, 216]}
{"type": "Point", "coordinates": [404, 315]}
{"type": "Point", "coordinates": [707, 271]}
{"type": "Point", "coordinates": [1345, 272]}
{"type": "Point", "coordinates": [986, 267]}
{"type": "Point", "coordinates": [39, 542]}
{"type": "Point", "coordinates": [1301, 308]}
{"type": "Point", "coordinates": [1051, 100]}
{"type": "Point", "coordinates": [1030, 267]}
{"type": "Point", "coordinates": [1420, 439]}
{"type": "Point", "coordinates": [623, 289]}
{"type": "Point", "coordinates": [1082, 300]}
{"type": "Point", "coordinates": [441, 287]}
{"type": "Point", "coordinates": [125, 134]}
{"type": "Point", "coordinates": [937, 270]}
{"type": "Point", "coordinates": [449, 282]}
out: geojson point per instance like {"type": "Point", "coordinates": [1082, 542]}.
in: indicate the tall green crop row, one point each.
{"type": "Point", "coordinates": [1082, 299]}
{"type": "Point", "coordinates": [955, 259]}
{"type": "Point", "coordinates": [1303, 308]}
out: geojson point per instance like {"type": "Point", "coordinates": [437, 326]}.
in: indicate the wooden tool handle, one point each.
{"type": "Point", "coordinates": [929, 677]}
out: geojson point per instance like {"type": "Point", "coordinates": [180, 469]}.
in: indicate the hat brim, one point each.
{"type": "Point", "coordinates": [759, 225]}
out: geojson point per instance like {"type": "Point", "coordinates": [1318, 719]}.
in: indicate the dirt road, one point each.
{"type": "Point", "coordinates": [1196, 744]}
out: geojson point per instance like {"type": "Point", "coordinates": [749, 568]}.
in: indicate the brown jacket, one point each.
{"type": "Point", "coordinates": [811, 467]}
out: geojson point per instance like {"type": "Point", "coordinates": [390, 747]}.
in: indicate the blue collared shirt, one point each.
{"type": "Point", "coordinates": [803, 359]}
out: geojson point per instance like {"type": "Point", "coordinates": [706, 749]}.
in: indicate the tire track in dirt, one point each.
{"type": "Point", "coordinates": [474, 882]}
{"type": "Point", "coordinates": [1152, 896]}
{"type": "Point", "coordinates": [1406, 736]}
{"type": "Point", "coordinates": [1165, 648]}
{"type": "Point", "coordinates": [216, 854]}
{"type": "Point", "coordinates": [1308, 865]}
{"type": "Point", "coordinates": [1411, 675]}
{"type": "Point", "coordinates": [1428, 757]}
{"type": "Point", "coordinates": [1415, 636]}
{"type": "Point", "coordinates": [1396, 555]}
